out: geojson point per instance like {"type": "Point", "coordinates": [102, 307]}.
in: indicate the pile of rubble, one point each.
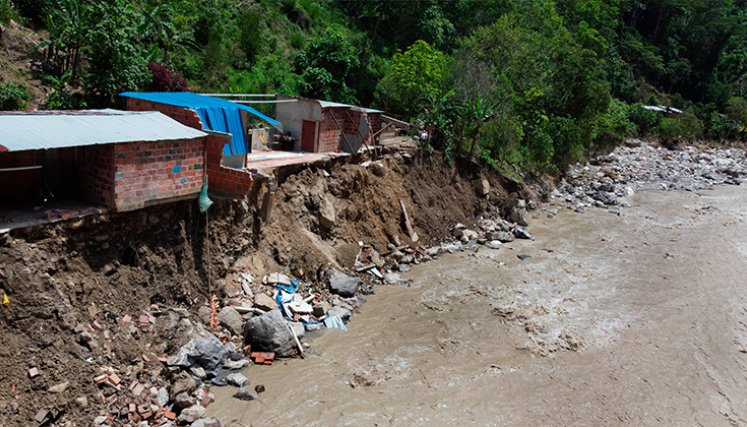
{"type": "Point", "coordinates": [638, 166]}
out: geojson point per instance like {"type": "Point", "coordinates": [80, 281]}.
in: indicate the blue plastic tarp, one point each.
{"type": "Point", "coordinates": [216, 114]}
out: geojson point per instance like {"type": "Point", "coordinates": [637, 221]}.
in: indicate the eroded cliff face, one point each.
{"type": "Point", "coordinates": [79, 289]}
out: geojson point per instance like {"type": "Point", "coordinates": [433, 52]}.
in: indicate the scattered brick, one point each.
{"type": "Point", "coordinates": [114, 379]}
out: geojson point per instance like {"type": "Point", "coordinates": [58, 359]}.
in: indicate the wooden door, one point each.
{"type": "Point", "coordinates": [308, 136]}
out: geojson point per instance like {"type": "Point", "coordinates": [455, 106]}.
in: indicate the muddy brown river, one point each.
{"type": "Point", "coordinates": [638, 319]}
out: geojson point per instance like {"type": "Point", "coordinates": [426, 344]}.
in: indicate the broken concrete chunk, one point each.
{"type": "Point", "coordinates": [342, 284]}
{"type": "Point", "coordinates": [264, 302]}
{"type": "Point", "coordinates": [237, 379]}
{"type": "Point", "coordinates": [299, 306]}
{"type": "Point", "coordinates": [269, 332]}
{"type": "Point", "coordinates": [274, 278]}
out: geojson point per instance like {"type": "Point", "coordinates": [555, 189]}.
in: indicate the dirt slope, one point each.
{"type": "Point", "coordinates": [74, 285]}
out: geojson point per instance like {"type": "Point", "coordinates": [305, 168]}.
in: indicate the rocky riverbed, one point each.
{"type": "Point", "coordinates": [640, 166]}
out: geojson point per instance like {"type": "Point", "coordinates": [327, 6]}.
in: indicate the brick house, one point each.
{"type": "Point", "coordinates": [115, 159]}
{"type": "Point", "coordinates": [205, 113]}
{"type": "Point", "coordinates": [119, 160]}
{"type": "Point", "coordinates": [324, 126]}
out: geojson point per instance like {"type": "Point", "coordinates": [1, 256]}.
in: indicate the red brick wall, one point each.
{"type": "Point", "coordinates": [19, 184]}
{"type": "Point", "coordinates": [223, 180]}
{"type": "Point", "coordinates": [96, 169]}
{"type": "Point", "coordinates": [184, 116]}
{"type": "Point", "coordinates": [330, 137]}
{"type": "Point", "coordinates": [146, 173]}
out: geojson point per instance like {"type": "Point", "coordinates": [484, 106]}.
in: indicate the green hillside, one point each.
{"type": "Point", "coordinates": [530, 82]}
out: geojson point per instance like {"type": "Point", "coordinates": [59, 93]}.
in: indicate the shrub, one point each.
{"type": "Point", "coordinates": [166, 79]}
{"type": "Point", "coordinates": [685, 127]}
{"type": "Point", "coordinates": [13, 96]}
{"type": "Point", "coordinates": [645, 120]}
{"type": "Point", "coordinates": [612, 127]}
{"type": "Point", "coordinates": [6, 11]}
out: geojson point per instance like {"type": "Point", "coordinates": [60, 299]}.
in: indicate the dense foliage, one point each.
{"type": "Point", "coordinates": [538, 83]}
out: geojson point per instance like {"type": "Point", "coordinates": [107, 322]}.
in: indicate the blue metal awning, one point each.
{"type": "Point", "coordinates": [217, 114]}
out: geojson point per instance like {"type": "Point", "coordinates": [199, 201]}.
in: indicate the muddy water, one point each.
{"type": "Point", "coordinates": [636, 319]}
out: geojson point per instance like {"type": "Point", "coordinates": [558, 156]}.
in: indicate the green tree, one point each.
{"type": "Point", "coordinates": [414, 76]}
{"type": "Point", "coordinates": [325, 64]}
{"type": "Point", "coordinates": [116, 61]}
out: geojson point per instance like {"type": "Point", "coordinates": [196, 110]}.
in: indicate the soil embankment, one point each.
{"type": "Point", "coordinates": [106, 294]}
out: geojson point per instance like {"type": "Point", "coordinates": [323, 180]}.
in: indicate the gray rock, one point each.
{"type": "Point", "coordinates": [342, 284]}
{"type": "Point", "coordinates": [520, 233]}
{"type": "Point", "coordinates": [245, 394]}
{"type": "Point", "coordinates": [206, 351]}
{"type": "Point", "coordinates": [192, 414]}
{"type": "Point", "coordinates": [206, 422]}
{"type": "Point", "coordinates": [265, 302]}
{"type": "Point", "coordinates": [269, 332]}
{"type": "Point", "coordinates": [234, 364]}
{"type": "Point", "coordinates": [59, 388]}
{"type": "Point", "coordinates": [502, 236]}
{"type": "Point", "coordinates": [198, 371]}
{"type": "Point", "coordinates": [184, 384]}
{"type": "Point", "coordinates": [183, 400]}
{"type": "Point", "coordinates": [237, 379]}
{"type": "Point", "coordinates": [494, 244]}
{"type": "Point", "coordinates": [231, 320]}
{"type": "Point", "coordinates": [327, 216]}
{"type": "Point", "coordinates": [484, 187]}
{"type": "Point", "coordinates": [433, 252]}
{"type": "Point", "coordinates": [163, 396]}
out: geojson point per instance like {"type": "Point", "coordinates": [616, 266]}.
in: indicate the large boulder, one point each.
{"type": "Point", "coordinates": [205, 350]}
{"type": "Point", "coordinates": [342, 284]}
{"type": "Point", "coordinates": [269, 332]}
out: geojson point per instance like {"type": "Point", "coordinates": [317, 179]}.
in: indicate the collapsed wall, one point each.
{"type": "Point", "coordinates": [78, 289]}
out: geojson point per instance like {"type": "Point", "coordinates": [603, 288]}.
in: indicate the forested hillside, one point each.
{"type": "Point", "coordinates": [534, 83]}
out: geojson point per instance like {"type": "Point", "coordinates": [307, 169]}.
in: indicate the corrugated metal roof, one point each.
{"type": "Point", "coordinates": [60, 129]}
{"type": "Point", "coordinates": [216, 114]}
{"type": "Point", "coordinates": [327, 104]}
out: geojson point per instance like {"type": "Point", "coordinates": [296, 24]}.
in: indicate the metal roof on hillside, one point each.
{"type": "Point", "coordinates": [62, 129]}
{"type": "Point", "coordinates": [329, 104]}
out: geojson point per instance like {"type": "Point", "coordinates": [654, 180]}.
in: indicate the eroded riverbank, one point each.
{"type": "Point", "coordinates": [652, 300]}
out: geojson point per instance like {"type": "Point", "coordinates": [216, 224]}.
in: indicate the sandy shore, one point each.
{"type": "Point", "coordinates": [638, 319]}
